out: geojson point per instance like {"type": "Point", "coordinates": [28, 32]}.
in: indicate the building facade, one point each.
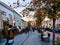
{"type": "Point", "coordinates": [8, 15]}
{"type": "Point", "coordinates": [49, 23]}
{"type": "Point", "coordinates": [17, 19]}
{"type": "Point", "coordinates": [57, 23]}
{"type": "Point", "coordinates": [23, 23]}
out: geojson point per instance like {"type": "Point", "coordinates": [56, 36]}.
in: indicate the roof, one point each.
{"type": "Point", "coordinates": [17, 13]}
{"type": "Point", "coordinates": [6, 6]}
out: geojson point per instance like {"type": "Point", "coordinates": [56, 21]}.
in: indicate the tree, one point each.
{"type": "Point", "coordinates": [52, 11]}
{"type": "Point", "coordinates": [53, 14]}
{"type": "Point", "coordinates": [44, 7]}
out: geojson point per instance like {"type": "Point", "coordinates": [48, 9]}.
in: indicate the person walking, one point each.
{"type": "Point", "coordinates": [6, 29]}
{"type": "Point", "coordinates": [10, 37]}
{"type": "Point", "coordinates": [45, 36]}
{"type": "Point", "coordinates": [19, 29]}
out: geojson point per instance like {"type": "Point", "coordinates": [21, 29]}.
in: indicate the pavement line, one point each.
{"type": "Point", "coordinates": [25, 39]}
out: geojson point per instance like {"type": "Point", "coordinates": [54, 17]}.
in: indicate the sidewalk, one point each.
{"type": "Point", "coordinates": [56, 35]}
{"type": "Point", "coordinates": [20, 38]}
{"type": "Point", "coordinates": [17, 40]}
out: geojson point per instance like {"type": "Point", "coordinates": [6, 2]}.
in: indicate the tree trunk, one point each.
{"type": "Point", "coordinates": [53, 31]}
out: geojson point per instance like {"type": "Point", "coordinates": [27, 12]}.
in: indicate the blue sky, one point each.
{"type": "Point", "coordinates": [19, 9]}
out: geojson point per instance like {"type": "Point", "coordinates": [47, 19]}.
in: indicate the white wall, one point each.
{"type": "Point", "coordinates": [17, 19]}
{"type": "Point", "coordinates": [7, 11]}
{"type": "Point", "coordinates": [57, 22]}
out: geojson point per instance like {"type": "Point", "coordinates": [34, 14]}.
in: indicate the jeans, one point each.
{"type": "Point", "coordinates": [7, 38]}
{"type": "Point", "coordinates": [46, 39]}
{"type": "Point", "coordinates": [11, 41]}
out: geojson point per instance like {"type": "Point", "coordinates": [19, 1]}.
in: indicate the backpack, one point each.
{"type": "Point", "coordinates": [11, 34]}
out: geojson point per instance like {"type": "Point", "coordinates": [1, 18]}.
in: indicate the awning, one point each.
{"type": "Point", "coordinates": [46, 19]}
{"type": "Point", "coordinates": [27, 19]}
